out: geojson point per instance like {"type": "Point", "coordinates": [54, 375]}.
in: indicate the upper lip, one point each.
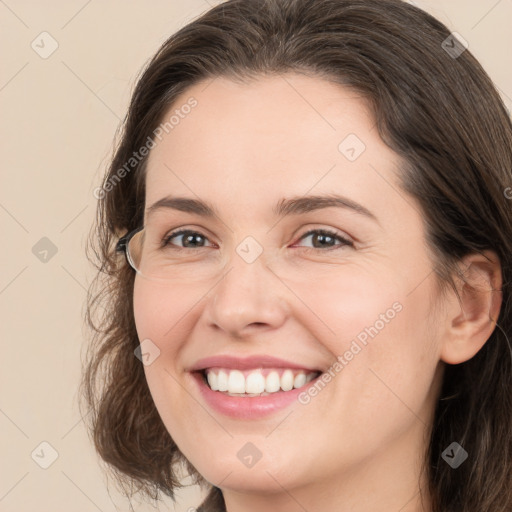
{"type": "Point", "coordinates": [247, 363]}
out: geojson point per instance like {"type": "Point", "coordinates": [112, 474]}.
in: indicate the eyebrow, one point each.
{"type": "Point", "coordinates": [284, 207]}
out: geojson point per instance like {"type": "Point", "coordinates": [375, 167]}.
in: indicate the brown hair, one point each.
{"type": "Point", "coordinates": [438, 110]}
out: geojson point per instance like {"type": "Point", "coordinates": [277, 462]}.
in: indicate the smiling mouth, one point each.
{"type": "Point", "coordinates": [257, 382]}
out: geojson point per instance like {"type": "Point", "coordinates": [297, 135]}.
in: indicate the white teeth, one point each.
{"type": "Point", "coordinates": [287, 380]}
{"type": "Point", "coordinates": [272, 382]}
{"type": "Point", "coordinates": [255, 383]}
{"type": "Point", "coordinates": [213, 381]}
{"type": "Point", "coordinates": [236, 382]}
{"type": "Point", "coordinates": [222, 381]}
{"type": "Point", "coordinates": [299, 380]}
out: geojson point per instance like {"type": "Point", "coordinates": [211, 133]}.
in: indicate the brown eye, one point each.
{"type": "Point", "coordinates": [188, 238]}
{"type": "Point", "coordinates": [326, 239]}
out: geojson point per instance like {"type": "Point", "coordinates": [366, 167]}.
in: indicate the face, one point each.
{"type": "Point", "coordinates": [340, 292]}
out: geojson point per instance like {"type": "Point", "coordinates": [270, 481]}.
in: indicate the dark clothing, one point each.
{"type": "Point", "coordinates": [214, 502]}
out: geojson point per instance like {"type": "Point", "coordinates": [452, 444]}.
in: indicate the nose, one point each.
{"type": "Point", "coordinates": [249, 298]}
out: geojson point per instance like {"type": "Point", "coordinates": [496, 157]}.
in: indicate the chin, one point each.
{"type": "Point", "coordinates": [251, 481]}
{"type": "Point", "coordinates": [266, 476]}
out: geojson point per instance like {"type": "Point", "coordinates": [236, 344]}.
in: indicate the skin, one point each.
{"type": "Point", "coordinates": [358, 445]}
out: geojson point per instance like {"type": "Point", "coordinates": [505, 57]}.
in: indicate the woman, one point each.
{"type": "Point", "coordinates": [314, 308]}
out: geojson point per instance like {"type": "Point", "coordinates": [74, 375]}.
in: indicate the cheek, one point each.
{"type": "Point", "coordinates": [163, 311]}
{"type": "Point", "coordinates": [380, 336]}
{"type": "Point", "coordinates": [345, 302]}
{"type": "Point", "coordinates": [163, 316]}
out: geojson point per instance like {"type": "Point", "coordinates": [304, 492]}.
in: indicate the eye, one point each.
{"type": "Point", "coordinates": [326, 239]}
{"type": "Point", "coordinates": [190, 239]}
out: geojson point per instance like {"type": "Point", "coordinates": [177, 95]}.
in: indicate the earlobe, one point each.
{"type": "Point", "coordinates": [473, 314]}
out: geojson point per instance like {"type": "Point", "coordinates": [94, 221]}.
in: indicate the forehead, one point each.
{"type": "Point", "coordinates": [242, 144]}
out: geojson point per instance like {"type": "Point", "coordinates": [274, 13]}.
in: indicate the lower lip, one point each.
{"type": "Point", "coordinates": [249, 408]}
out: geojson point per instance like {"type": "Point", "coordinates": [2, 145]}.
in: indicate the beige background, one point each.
{"type": "Point", "coordinates": [59, 116]}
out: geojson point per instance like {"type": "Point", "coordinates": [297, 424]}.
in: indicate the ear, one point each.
{"type": "Point", "coordinates": [471, 319]}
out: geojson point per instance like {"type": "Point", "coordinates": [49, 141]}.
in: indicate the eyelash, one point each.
{"type": "Point", "coordinates": [333, 234]}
